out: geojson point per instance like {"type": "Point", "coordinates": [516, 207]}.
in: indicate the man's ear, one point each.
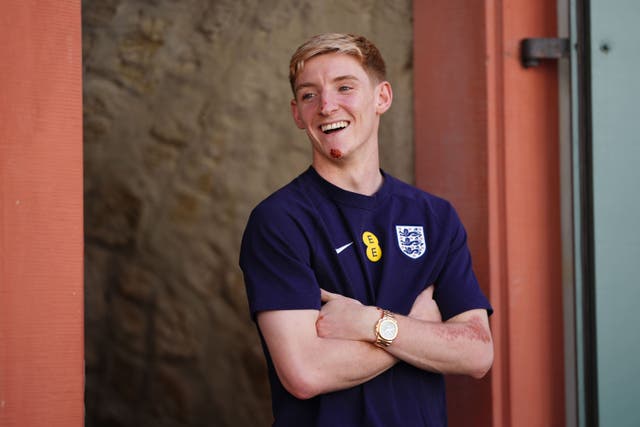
{"type": "Point", "coordinates": [296, 114]}
{"type": "Point", "coordinates": [384, 97]}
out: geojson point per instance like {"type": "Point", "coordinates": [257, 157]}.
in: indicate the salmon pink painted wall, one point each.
{"type": "Point", "coordinates": [486, 134]}
{"type": "Point", "coordinates": [41, 232]}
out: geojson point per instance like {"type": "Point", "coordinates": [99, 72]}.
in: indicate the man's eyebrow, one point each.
{"type": "Point", "coordinates": [335, 80]}
{"type": "Point", "coordinates": [345, 77]}
{"type": "Point", "coordinates": [303, 85]}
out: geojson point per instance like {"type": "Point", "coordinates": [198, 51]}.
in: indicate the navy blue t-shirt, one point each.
{"type": "Point", "coordinates": [382, 250]}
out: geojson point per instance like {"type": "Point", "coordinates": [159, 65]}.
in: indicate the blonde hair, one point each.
{"type": "Point", "coordinates": [357, 46]}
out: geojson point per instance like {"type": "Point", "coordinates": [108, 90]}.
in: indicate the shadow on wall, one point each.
{"type": "Point", "coordinates": [187, 127]}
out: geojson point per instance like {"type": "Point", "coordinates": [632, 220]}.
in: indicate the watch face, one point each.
{"type": "Point", "coordinates": [388, 329]}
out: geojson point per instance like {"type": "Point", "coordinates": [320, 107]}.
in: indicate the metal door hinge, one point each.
{"type": "Point", "coordinates": [534, 49]}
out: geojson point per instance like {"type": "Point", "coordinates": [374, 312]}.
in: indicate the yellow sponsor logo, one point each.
{"type": "Point", "coordinates": [374, 252]}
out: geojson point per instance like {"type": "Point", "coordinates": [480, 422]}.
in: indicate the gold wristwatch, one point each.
{"type": "Point", "coordinates": [386, 329]}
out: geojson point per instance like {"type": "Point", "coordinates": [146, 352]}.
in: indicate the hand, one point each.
{"type": "Point", "coordinates": [345, 318]}
{"type": "Point", "coordinates": [425, 308]}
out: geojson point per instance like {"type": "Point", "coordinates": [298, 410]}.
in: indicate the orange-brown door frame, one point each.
{"type": "Point", "coordinates": [487, 139]}
{"type": "Point", "coordinates": [41, 232]}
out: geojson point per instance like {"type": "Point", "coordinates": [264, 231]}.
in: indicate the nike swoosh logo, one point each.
{"type": "Point", "coordinates": [342, 248]}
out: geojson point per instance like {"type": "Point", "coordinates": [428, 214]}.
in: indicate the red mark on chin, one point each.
{"type": "Point", "coordinates": [335, 153]}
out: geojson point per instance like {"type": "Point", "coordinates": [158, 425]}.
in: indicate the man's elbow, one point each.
{"type": "Point", "coordinates": [482, 362]}
{"type": "Point", "coordinates": [301, 385]}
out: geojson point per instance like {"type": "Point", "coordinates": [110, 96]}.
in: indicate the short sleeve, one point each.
{"type": "Point", "coordinates": [275, 260]}
{"type": "Point", "coordinates": [457, 289]}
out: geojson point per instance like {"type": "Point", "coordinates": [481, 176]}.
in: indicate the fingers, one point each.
{"type": "Point", "coordinates": [426, 293]}
{"type": "Point", "coordinates": [425, 307]}
{"type": "Point", "coordinates": [326, 296]}
{"type": "Point", "coordinates": [429, 291]}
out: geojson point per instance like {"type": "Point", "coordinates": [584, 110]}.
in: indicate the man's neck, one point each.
{"type": "Point", "coordinates": [362, 178]}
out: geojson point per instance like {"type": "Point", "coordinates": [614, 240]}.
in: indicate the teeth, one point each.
{"type": "Point", "coordinates": [332, 126]}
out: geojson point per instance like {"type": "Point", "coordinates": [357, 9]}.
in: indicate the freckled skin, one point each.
{"type": "Point", "coordinates": [335, 153]}
{"type": "Point", "coordinates": [479, 330]}
{"type": "Point", "coordinates": [473, 330]}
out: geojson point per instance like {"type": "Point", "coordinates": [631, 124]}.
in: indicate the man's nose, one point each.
{"type": "Point", "coordinates": [327, 104]}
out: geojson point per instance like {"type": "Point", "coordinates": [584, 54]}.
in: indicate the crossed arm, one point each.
{"type": "Point", "coordinates": [316, 352]}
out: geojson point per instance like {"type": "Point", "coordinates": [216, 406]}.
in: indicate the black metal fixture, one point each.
{"type": "Point", "coordinates": [535, 49]}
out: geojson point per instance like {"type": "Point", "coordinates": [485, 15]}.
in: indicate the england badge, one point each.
{"type": "Point", "coordinates": [411, 240]}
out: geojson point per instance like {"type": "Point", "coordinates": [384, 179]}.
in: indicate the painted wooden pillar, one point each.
{"type": "Point", "coordinates": [41, 229]}
{"type": "Point", "coordinates": [487, 139]}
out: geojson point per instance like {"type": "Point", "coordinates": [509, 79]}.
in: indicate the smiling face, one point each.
{"type": "Point", "coordinates": [339, 106]}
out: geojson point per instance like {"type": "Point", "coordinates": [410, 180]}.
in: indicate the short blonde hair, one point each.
{"type": "Point", "coordinates": [357, 46]}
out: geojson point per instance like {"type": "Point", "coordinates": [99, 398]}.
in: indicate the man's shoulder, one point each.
{"type": "Point", "coordinates": [290, 196]}
{"type": "Point", "coordinates": [294, 203]}
{"type": "Point", "coordinates": [421, 199]}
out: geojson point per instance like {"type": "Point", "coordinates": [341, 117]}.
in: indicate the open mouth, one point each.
{"type": "Point", "coordinates": [334, 127]}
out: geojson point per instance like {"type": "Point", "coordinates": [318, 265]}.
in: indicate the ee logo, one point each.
{"type": "Point", "coordinates": [374, 252]}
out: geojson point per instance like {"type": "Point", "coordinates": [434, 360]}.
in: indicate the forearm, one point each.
{"type": "Point", "coordinates": [308, 365]}
{"type": "Point", "coordinates": [454, 347]}
{"type": "Point", "coordinates": [462, 345]}
{"type": "Point", "coordinates": [334, 364]}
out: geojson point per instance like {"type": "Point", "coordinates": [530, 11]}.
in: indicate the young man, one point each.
{"type": "Point", "coordinates": [361, 285]}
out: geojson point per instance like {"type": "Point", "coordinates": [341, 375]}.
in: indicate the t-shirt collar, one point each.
{"type": "Point", "coordinates": [348, 197]}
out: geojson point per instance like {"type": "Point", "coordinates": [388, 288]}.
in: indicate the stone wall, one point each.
{"type": "Point", "coordinates": [187, 127]}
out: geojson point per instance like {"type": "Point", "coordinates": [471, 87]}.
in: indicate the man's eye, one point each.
{"type": "Point", "coordinates": [306, 96]}
{"type": "Point", "coordinates": [344, 88]}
